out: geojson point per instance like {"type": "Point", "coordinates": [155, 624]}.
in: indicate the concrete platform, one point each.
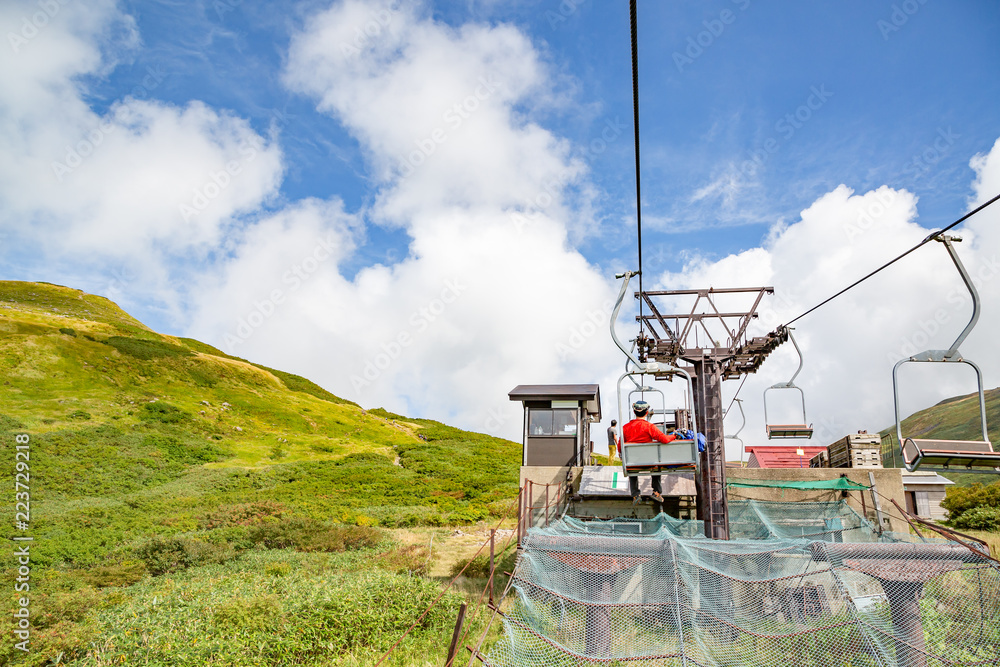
{"type": "Point", "coordinates": [611, 482]}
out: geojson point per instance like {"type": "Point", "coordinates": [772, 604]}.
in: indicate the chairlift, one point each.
{"type": "Point", "coordinates": [788, 431]}
{"type": "Point", "coordinates": [736, 436]}
{"type": "Point", "coordinates": [969, 454]}
{"type": "Point", "coordinates": [659, 416]}
{"type": "Point", "coordinates": [643, 458]}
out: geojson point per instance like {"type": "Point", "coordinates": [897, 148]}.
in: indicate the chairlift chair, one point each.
{"type": "Point", "coordinates": [736, 436]}
{"type": "Point", "coordinates": [788, 431]}
{"type": "Point", "coordinates": [643, 458]}
{"type": "Point", "coordinates": [969, 454]}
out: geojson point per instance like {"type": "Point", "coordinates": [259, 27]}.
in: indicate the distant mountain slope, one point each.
{"type": "Point", "coordinates": [955, 418]}
{"type": "Point", "coordinates": [136, 433]}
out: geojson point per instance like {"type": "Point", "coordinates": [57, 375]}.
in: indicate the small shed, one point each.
{"type": "Point", "coordinates": [924, 492]}
{"type": "Point", "coordinates": [557, 419]}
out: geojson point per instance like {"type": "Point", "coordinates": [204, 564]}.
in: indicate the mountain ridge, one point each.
{"type": "Point", "coordinates": [117, 413]}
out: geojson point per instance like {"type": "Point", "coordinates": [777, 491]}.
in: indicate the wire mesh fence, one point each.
{"type": "Point", "coordinates": [804, 584]}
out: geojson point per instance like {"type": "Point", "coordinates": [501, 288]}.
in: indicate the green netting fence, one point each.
{"type": "Point", "coordinates": [803, 584]}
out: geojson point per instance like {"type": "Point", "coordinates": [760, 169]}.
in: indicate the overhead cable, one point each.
{"type": "Point", "coordinates": [635, 123]}
{"type": "Point", "coordinates": [930, 238]}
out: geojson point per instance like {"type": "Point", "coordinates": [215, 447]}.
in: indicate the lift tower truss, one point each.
{"type": "Point", "coordinates": [713, 345]}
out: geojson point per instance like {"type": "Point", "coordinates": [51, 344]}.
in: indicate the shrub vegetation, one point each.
{"type": "Point", "coordinates": [974, 507]}
{"type": "Point", "coordinates": [189, 506]}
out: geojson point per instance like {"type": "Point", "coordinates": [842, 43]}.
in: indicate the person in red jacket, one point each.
{"type": "Point", "coordinates": [641, 430]}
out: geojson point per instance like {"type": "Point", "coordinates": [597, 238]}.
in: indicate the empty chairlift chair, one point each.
{"type": "Point", "coordinates": [736, 436]}
{"type": "Point", "coordinates": [967, 454]}
{"type": "Point", "coordinates": [788, 431]}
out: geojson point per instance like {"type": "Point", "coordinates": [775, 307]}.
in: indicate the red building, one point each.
{"type": "Point", "coordinates": [782, 456]}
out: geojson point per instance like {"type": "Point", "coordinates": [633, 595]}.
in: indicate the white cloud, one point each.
{"type": "Point", "coordinates": [987, 168]}
{"type": "Point", "coordinates": [725, 187]}
{"type": "Point", "coordinates": [492, 290]}
{"type": "Point", "coordinates": [851, 344]}
{"type": "Point", "coordinates": [438, 108]}
{"type": "Point", "coordinates": [139, 184]}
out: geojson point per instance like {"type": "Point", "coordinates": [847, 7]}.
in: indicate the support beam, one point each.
{"type": "Point", "coordinates": [713, 508]}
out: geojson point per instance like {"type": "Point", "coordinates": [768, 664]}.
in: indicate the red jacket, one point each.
{"type": "Point", "coordinates": [640, 430]}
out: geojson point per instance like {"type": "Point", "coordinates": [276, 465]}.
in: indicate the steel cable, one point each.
{"type": "Point", "coordinates": [930, 238]}
{"type": "Point", "coordinates": [635, 123]}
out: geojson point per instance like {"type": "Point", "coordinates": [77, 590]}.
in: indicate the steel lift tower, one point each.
{"type": "Point", "coordinates": [712, 345]}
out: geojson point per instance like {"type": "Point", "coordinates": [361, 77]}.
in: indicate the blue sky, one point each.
{"type": "Point", "coordinates": [750, 114]}
{"type": "Point", "coordinates": [890, 92]}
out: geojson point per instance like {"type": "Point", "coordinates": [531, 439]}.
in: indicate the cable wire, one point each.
{"type": "Point", "coordinates": [735, 395]}
{"type": "Point", "coordinates": [893, 261]}
{"type": "Point", "coordinates": [635, 123]}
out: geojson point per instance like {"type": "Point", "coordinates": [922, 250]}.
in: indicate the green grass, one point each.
{"type": "Point", "coordinates": [992, 538]}
{"type": "Point", "coordinates": [262, 608]}
{"type": "Point", "coordinates": [228, 492]}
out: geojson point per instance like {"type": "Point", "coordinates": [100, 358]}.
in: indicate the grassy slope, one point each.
{"type": "Point", "coordinates": [137, 435]}
{"type": "Point", "coordinates": [955, 418]}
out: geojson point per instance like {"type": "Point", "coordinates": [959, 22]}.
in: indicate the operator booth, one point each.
{"type": "Point", "coordinates": [557, 419]}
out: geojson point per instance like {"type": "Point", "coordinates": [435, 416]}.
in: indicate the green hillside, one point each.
{"type": "Point", "coordinates": [955, 418]}
{"type": "Point", "coordinates": [152, 455]}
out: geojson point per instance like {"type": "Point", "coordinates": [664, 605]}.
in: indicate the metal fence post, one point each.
{"type": "Point", "coordinates": [520, 514]}
{"type": "Point", "coordinates": [455, 636]}
{"type": "Point", "coordinates": [493, 532]}
{"type": "Point", "coordinates": [546, 505]}
{"type": "Point", "coordinates": [531, 505]}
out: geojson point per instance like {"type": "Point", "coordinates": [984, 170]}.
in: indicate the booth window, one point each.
{"type": "Point", "coordinates": [552, 422]}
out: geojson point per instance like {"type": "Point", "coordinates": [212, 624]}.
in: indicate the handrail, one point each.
{"type": "Point", "coordinates": [652, 390]}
